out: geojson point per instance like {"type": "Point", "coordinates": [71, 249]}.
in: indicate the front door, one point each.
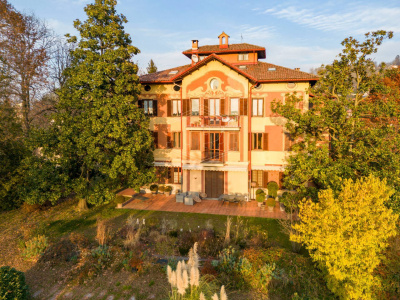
{"type": "Point", "coordinates": [214, 183]}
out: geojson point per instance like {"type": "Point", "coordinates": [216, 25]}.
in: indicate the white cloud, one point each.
{"type": "Point", "coordinates": [356, 19]}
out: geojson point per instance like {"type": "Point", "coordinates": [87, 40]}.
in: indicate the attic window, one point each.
{"type": "Point", "coordinates": [242, 67]}
{"type": "Point", "coordinates": [173, 72]}
{"type": "Point", "coordinates": [243, 56]}
{"type": "Point", "coordinates": [271, 69]}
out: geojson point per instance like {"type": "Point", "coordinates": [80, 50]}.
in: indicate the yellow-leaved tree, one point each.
{"type": "Point", "coordinates": [345, 234]}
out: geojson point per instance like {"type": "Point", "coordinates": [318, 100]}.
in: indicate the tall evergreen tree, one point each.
{"type": "Point", "coordinates": [100, 137]}
{"type": "Point", "coordinates": [151, 67]}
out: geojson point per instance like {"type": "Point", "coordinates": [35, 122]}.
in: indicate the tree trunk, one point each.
{"type": "Point", "coordinates": [82, 205]}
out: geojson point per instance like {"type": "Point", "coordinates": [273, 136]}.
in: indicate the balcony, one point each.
{"type": "Point", "coordinates": [213, 157]}
{"type": "Point", "coordinates": [225, 122]}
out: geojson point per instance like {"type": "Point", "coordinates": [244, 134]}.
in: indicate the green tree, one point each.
{"type": "Point", "coordinates": [100, 137]}
{"type": "Point", "coordinates": [345, 234]}
{"type": "Point", "coordinates": [350, 129]}
{"type": "Point", "coordinates": [12, 152]}
{"type": "Point", "coordinates": [151, 67]}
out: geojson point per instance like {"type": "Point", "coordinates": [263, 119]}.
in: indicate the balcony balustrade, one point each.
{"type": "Point", "coordinates": [226, 121]}
{"type": "Point", "coordinates": [213, 156]}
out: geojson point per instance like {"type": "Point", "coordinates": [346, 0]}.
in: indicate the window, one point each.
{"type": "Point", "coordinates": [195, 107]}
{"type": "Point", "coordinates": [257, 141]}
{"type": "Point", "coordinates": [176, 108]}
{"type": "Point", "coordinates": [195, 141]}
{"type": "Point", "coordinates": [176, 139]}
{"type": "Point", "coordinates": [258, 105]}
{"type": "Point", "coordinates": [177, 176]}
{"type": "Point", "coordinates": [214, 84]}
{"type": "Point", "coordinates": [243, 56]}
{"type": "Point", "coordinates": [257, 176]}
{"type": "Point", "coordinates": [214, 107]}
{"type": "Point", "coordinates": [234, 141]}
{"type": "Point", "coordinates": [234, 107]}
{"type": "Point", "coordinates": [162, 175]}
{"type": "Point", "coordinates": [149, 107]}
{"type": "Point", "coordinates": [155, 138]}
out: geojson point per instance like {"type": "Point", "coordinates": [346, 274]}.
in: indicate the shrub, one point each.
{"type": "Point", "coordinates": [62, 251]}
{"type": "Point", "coordinates": [103, 232]}
{"type": "Point", "coordinates": [12, 284]}
{"type": "Point", "coordinates": [119, 199]}
{"type": "Point", "coordinates": [161, 189]}
{"type": "Point", "coordinates": [271, 202]}
{"type": "Point", "coordinates": [260, 191]}
{"type": "Point", "coordinates": [154, 188]}
{"type": "Point", "coordinates": [273, 188]}
{"type": "Point", "coordinates": [35, 246]}
{"type": "Point", "coordinates": [260, 197]}
{"type": "Point", "coordinates": [168, 189]}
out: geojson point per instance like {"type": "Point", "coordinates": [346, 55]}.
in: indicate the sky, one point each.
{"type": "Point", "coordinates": [296, 34]}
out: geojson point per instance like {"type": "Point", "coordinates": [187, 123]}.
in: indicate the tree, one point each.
{"type": "Point", "coordinates": [24, 51]}
{"type": "Point", "coordinates": [151, 67]}
{"type": "Point", "coordinates": [100, 137]}
{"type": "Point", "coordinates": [346, 132]}
{"type": "Point", "coordinates": [345, 234]}
{"type": "Point", "coordinates": [12, 152]}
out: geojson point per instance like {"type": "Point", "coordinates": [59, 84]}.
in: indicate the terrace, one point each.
{"type": "Point", "coordinates": [164, 202]}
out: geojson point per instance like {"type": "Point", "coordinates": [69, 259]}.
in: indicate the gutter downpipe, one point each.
{"type": "Point", "coordinates": [249, 112]}
{"type": "Point", "coordinates": [181, 142]}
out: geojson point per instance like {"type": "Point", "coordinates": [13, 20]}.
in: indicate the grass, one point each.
{"type": "Point", "coordinates": [61, 220]}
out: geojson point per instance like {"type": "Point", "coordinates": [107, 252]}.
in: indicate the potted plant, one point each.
{"type": "Point", "coordinates": [161, 189]}
{"type": "Point", "coordinates": [154, 188]}
{"type": "Point", "coordinates": [168, 189]}
{"type": "Point", "coordinates": [273, 188]}
{"type": "Point", "coordinates": [260, 197]}
{"type": "Point", "coordinates": [119, 200]}
{"type": "Point", "coordinates": [271, 204]}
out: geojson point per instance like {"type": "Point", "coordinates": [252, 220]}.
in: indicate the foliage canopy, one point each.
{"type": "Point", "coordinates": [346, 234]}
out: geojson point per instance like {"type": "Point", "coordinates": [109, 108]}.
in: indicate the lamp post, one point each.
{"type": "Point", "coordinates": [253, 186]}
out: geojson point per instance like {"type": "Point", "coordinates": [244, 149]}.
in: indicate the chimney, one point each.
{"type": "Point", "coordinates": [195, 45]}
{"type": "Point", "coordinates": [297, 69]}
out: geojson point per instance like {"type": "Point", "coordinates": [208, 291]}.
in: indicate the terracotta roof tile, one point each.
{"type": "Point", "coordinates": [261, 71]}
{"type": "Point", "coordinates": [231, 47]}
{"type": "Point", "coordinates": [163, 76]}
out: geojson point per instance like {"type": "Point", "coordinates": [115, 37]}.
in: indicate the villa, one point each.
{"type": "Point", "coordinates": [212, 122]}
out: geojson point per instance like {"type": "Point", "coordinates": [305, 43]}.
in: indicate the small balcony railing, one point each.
{"type": "Point", "coordinates": [213, 156]}
{"type": "Point", "coordinates": [213, 121]}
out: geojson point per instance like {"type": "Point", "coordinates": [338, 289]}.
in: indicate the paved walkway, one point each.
{"type": "Point", "coordinates": [161, 202]}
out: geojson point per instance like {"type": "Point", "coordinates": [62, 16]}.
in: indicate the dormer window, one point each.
{"type": "Point", "coordinates": [243, 56]}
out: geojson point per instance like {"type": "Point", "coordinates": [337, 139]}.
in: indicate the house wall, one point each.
{"type": "Point", "coordinates": [232, 85]}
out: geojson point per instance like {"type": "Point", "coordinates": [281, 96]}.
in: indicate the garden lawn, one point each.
{"type": "Point", "coordinates": [58, 222]}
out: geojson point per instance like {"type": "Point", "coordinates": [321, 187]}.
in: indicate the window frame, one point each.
{"type": "Point", "coordinates": [243, 56]}
{"type": "Point", "coordinates": [255, 142]}
{"type": "Point", "coordinates": [176, 103]}
{"type": "Point", "coordinates": [216, 107]}
{"type": "Point", "coordinates": [238, 106]}
{"type": "Point", "coordinates": [176, 142]}
{"type": "Point", "coordinates": [255, 176]}
{"type": "Point", "coordinates": [198, 106]}
{"type": "Point", "coordinates": [259, 106]}
{"type": "Point", "coordinates": [176, 175]}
